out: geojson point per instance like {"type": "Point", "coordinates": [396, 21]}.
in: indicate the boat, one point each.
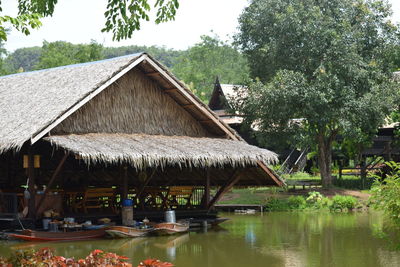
{"type": "Point", "coordinates": [125, 231]}
{"type": "Point", "coordinates": [170, 228]}
{"type": "Point", "coordinates": [30, 235]}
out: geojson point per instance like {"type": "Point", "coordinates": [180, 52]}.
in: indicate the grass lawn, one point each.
{"type": "Point", "coordinates": [259, 195]}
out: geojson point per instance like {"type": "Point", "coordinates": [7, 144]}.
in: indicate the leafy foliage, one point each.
{"type": "Point", "coordinates": [343, 203]}
{"type": "Point", "coordinates": [314, 201]}
{"type": "Point", "coordinates": [46, 257]}
{"type": "Point", "coordinates": [320, 69]}
{"type": "Point", "coordinates": [385, 194]}
{"type": "Point", "coordinates": [201, 64]}
{"type": "Point", "coordinates": [62, 53]}
{"type": "Point", "coordinates": [23, 59]}
{"type": "Point", "coordinates": [297, 202]}
{"type": "Point", "coordinates": [164, 55]}
{"type": "Point", "coordinates": [122, 17]}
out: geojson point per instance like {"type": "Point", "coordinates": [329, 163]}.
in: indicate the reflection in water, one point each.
{"type": "Point", "coordinates": [275, 239]}
{"type": "Point", "coordinates": [250, 235]}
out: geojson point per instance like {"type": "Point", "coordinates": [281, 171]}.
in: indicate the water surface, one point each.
{"type": "Point", "coordinates": [273, 239]}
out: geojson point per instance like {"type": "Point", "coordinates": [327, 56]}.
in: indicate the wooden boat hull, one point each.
{"type": "Point", "coordinates": [170, 228]}
{"type": "Point", "coordinates": [126, 232]}
{"type": "Point", "coordinates": [29, 235]}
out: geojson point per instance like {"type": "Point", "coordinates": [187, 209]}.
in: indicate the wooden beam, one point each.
{"type": "Point", "coordinates": [146, 182]}
{"type": "Point", "coordinates": [207, 189]}
{"type": "Point", "coordinates": [270, 173]}
{"type": "Point", "coordinates": [231, 182]}
{"type": "Point", "coordinates": [125, 183]}
{"type": "Point", "coordinates": [31, 185]}
{"type": "Point", "coordinates": [50, 183]}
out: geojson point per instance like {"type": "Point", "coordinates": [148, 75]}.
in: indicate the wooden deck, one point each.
{"type": "Point", "coordinates": [233, 207]}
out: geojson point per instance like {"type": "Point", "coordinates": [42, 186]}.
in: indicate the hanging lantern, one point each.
{"type": "Point", "coordinates": [26, 162]}
{"type": "Point", "coordinates": [36, 161]}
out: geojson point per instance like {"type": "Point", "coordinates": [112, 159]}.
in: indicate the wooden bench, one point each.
{"type": "Point", "coordinates": [303, 183]}
{"type": "Point", "coordinates": [179, 194]}
{"type": "Point", "coordinates": [96, 198]}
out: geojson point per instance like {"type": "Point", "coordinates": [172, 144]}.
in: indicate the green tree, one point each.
{"type": "Point", "coordinates": [62, 53]}
{"type": "Point", "coordinates": [122, 17]}
{"type": "Point", "coordinates": [23, 58]}
{"type": "Point", "coordinates": [200, 64]}
{"type": "Point", "coordinates": [321, 69]}
{"type": "Point", "coordinates": [164, 55]}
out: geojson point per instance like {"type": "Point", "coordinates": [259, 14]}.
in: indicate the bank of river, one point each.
{"type": "Point", "coordinates": [274, 239]}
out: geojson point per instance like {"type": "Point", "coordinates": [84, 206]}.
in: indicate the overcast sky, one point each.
{"type": "Point", "coordinates": [79, 21]}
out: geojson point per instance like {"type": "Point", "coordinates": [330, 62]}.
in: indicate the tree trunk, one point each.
{"type": "Point", "coordinates": [325, 159]}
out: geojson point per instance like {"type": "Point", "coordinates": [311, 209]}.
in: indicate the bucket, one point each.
{"type": "Point", "coordinates": [53, 227]}
{"type": "Point", "coordinates": [45, 222]}
{"type": "Point", "coordinates": [169, 216]}
{"type": "Point", "coordinates": [127, 203]}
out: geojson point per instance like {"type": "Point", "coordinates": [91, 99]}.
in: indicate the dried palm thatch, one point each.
{"type": "Point", "coordinates": [30, 101]}
{"type": "Point", "coordinates": [141, 151]}
{"type": "Point", "coordinates": [133, 104]}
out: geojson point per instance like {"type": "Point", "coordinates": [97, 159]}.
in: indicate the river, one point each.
{"type": "Point", "coordinates": [272, 239]}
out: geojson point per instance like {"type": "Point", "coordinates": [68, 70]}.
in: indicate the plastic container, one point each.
{"type": "Point", "coordinates": [53, 227]}
{"type": "Point", "coordinates": [169, 216]}
{"type": "Point", "coordinates": [127, 216]}
{"type": "Point", "coordinates": [45, 222]}
{"type": "Point", "coordinates": [127, 203]}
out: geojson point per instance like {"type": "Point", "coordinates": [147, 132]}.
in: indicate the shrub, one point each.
{"type": "Point", "coordinates": [385, 194]}
{"type": "Point", "coordinates": [276, 204]}
{"type": "Point", "coordinates": [297, 202]}
{"type": "Point", "coordinates": [343, 203]}
{"type": "Point", "coordinates": [46, 257]}
{"type": "Point", "coordinates": [317, 201]}
{"type": "Point", "coordinates": [314, 197]}
{"type": "Point", "coordinates": [353, 182]}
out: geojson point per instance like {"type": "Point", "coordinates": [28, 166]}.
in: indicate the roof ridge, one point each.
{"type": "Point", "coordinates": [73, 65]}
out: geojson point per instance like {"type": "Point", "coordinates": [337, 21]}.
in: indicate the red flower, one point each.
{"type": "Point", "coordinates": [154, 263]}
{"type": "Point", "coordinates": [96, 251]}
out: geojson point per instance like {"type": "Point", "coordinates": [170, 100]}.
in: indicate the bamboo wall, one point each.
{"type": "Point", "coordinates": [133, 104]}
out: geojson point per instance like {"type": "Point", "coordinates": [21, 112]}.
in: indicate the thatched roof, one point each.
{"type": "Point", "coordinates": [221, 95]}
{"type": "Point", "coordinates": [56, 101]}
{"type": "Point", "coordinates": [33, 103]}
{"type": "Point", "coordinates": [30, 101]}
{"type": "Point", "coordinates": [141, 151]}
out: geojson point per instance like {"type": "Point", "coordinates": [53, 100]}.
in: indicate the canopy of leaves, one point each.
{"type": "Point", "coordinates": [122, 17]}
{"type": "Point", "coordinates": [320, 62]}
{"type": "Point", "coordinates": [164, 55]}
{"type": "Point", "coordinates": [63, 53]}
{"type": "Point", "coordinates": [201, 64]}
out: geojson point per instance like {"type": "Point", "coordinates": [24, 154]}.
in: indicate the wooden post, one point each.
{"type": "Point", "coordinates": [363, 171]}
{"type": "Point", "coordinates": [125, 184]}
{"type": "Point", "coordinates": [145, 183]}
{"type": "Point", "coordinates": [207, 189]}
{"type": "Point", "coordinates": [231, 182]}
{"type": "Point", "coordinates": [50, 184]}
{"type": "Point", "coordinates": [31, 185]}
